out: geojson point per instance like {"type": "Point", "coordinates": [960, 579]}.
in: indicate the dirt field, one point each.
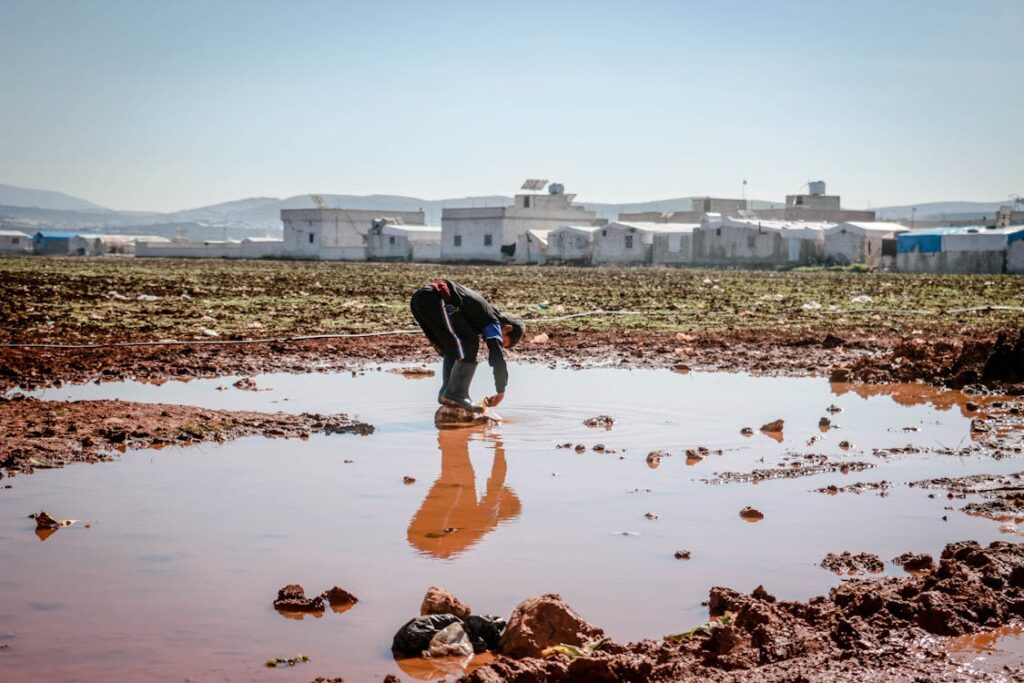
{"type": "Point", "coordinates": [874, 327]}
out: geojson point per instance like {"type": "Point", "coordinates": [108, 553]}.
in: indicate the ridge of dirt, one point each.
{"type": "Point", "coordinates": [36, 434]}
{"type": "Point", "coordinates": [866, 629]}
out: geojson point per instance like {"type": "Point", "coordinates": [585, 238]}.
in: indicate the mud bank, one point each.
{"type": "Point", "coordinates": [951, 361]}
{"type": "Point", "coordinates": [47, 434]}
{"type": "Point", "coordinates": [870, 629]}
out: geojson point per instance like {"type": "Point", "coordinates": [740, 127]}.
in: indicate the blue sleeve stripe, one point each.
{"type": "Point", "coordinates": [492, 331]}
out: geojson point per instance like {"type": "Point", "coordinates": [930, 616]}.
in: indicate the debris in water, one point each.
{"type": "Point", "coordinates": [413, 372]}
{"type": "Point", "coordinates": [845, 445]}
{"type": "Point", "coordinates": [682, 554]}
{"type": "Point", "coordinates": [605, 421]}
{"type": "Point", "coordinates": [580, 448]}
{"type": "Point", "coordinates": [339, 599]}
{"type": "Point", "coordinates": [834, 409]}
{"type": "Point", "coordinates": [246, 384]}
{"type": "Point", "coordinates": [824, 423]}
{"type": "Point", "coordinates": [774, 426]}
{"type": "Point", "coordinates": [747, 431]}
{"type": "Point", "coordinates": [413, 638]}
{"type": "Point", "coordinates": [652, 515]}
{"type": "Point", "coordinates": [654, 459]}
{"type": "Point", "coordinates": [279, 661]}
{"type": "Point", "coordinates": [451, 641]}
{"type": "Point", "coordinates": [408, 480]}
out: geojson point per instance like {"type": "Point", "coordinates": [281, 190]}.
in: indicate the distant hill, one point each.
{"type": "Point", "coordinates": [34, 209]}
{"type": "Point", "coordinates": [938, 211]}
{"type": "Point", "coordinates": [11, 195]}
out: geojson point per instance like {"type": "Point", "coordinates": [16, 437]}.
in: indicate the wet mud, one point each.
{"type": "Point", "coordinates": [37, 434]}
{"type": "Point", "coordinates": [869, 629]}
{"type": "Point", "coordinates": [850, 564]}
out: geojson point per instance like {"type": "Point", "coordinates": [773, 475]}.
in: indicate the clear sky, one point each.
{"type": "Point", "coordinates": [139, 104]}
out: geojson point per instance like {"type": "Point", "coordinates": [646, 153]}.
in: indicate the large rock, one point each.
{"type": "Point", "coordinates": [450, 417]}
{"type": "Point", "coordinates": [541, 622]}
{"type": "Point", "coordinates": [439, 601]}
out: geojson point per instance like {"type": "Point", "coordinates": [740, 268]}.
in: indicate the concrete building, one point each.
{"type": "Point", "coordinates": [207, 249]}
{"type": "Point", "coordinates": [701, 206]}
{"type": "Point", "coordinates": [492, 233]}
{"type": "Point", "coordinates": [390, 242]}
{"type": "Point", "coordinates": [261, 247]}
{"type": "Point", "coordinates": [815, 206]}
{"type": "Point", "coordinates": [102, 245]}
{"type": "Point", "coordinates": [532, 246]}
{"type": "Point", "coordinates": [859, 242]}
{"type": "Point", "coordinates": [760, 243]}
{"type": "Point", "coordinates": [674, 245]}
{"type": "Point", "coordinates": [975, 249]}
{"type": "Point", "coordinates": [572, 244]}
{"type": "Point", "coordinates": [631, 243]}
{"type": "Point", "coordinates": [15, 242]}
{"type": "Point", "coordinates": [336, 234]}
{"type": "Point", "coordinates": [52, 242]}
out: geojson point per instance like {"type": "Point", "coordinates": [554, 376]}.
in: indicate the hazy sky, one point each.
{"type": "Point", "coordinates": [167, 105]}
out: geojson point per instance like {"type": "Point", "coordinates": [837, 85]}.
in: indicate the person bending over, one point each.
{"type": "Point", "coordinates": [453, 318]}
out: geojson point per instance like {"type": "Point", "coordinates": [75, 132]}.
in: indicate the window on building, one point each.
{"type": "Point", "coordinates": [750, 241]}
{"type": "Point", "coordinates": [718, 231]}
{"type": "Point", "coordinates": [391, 239]}
{"type": "Point", "coordinates": [526, 202]}
{"type": "Point", "coordinates": [604, 233]}
{"type": "Point", "coordinates": [629, 241]}
{"type": "Point", "coordinates": [869, 247]}
{"type": "Point", "coordinates": [15, 240]}
{"type": "Point", "coordinates": [488, 240]}
{"type": "Point", "coordinates": [458, 240]}
{"type": "Point", "coordinates": [311, 238]}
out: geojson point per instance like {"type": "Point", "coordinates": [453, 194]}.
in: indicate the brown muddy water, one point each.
{"type": "Point", "coordinates": [187, 547]}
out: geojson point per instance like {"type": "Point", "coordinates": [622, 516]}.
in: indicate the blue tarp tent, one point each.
{"type": "Point", "coordinates": [923, 241]}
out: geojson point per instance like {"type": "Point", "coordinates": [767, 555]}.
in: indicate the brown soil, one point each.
{"type": "Point", "coordinates": [44, 434]}
{"type": "Point", "coordinates": [869, 629]}
{"type": "Point", "coordinates": [882, 487]}
{"type": "Point", "coordinates": [819, 465]}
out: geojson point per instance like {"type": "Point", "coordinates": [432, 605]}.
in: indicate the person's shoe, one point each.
{"type": "Point", "coordinates": [456, 392]}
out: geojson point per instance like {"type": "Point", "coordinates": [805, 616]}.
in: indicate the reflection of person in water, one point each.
{"type": "Point", "coordinates": [451, 519]}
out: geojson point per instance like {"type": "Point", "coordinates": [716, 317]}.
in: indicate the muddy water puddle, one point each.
{"type": "Point", "coordinates": [187, 547]}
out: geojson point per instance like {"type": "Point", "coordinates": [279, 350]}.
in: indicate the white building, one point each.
{"type": "Point", "coordinates": [101, 245]}
{"type": "Point", "coordinates": [859, 242]}
{"type": "Point", "coordinates": [207, 249]}
{"type": "Point", "coordinates": [754, 242]}
{"type": "Point", "coordinates": [261, 247]}
{"type": "Point", "coordinates": [674, 245]}
{"type": "Point", "coordinates": [14, 242]}
{"type": "Point", "coordinates": [621, 242]}
{"type": "Point", "coordinates": [390, 242]}
{"type": "Point", "coordinates": [572, 244]}
{"type": "Point", "coordinates": [336, 234]}
{"type": "Point", "coordinates": [491, 233]}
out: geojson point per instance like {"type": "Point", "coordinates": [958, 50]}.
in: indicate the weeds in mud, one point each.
{"type": "Point", "coordinates": [575, 651]}
{"type": "Point", "coordinates": [704, 629]}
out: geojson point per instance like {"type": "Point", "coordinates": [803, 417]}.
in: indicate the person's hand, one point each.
{"type": "Point", "coordinates": [492, 401]}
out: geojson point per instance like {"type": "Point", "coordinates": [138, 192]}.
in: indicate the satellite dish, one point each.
{"type": "Point", "coordinates": [556, 188]}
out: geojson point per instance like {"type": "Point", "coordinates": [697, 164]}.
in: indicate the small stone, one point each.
{"type": "Point", "coordinates": [408, 480]}
{"type": "Point", "coordinates": [747, 431]}
{"type": "Point", "coordinates": [682, 554]}
{"type": "Point", "coordinates": [652, 515]}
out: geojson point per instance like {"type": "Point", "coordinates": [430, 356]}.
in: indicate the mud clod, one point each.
{"type": "Point", "coordinates": [541, 622]}
{"type": "Point", "coordinates": [914, 562]}
{"type": "Point", "coordinates": [751, 514]}
{"type": "Point", "coordinates": [292, 598]}
{"type": "Point", "coordinates": [682, 554]}
{"type": "Point", "coordinates": [849, 564]}
{"type": "Point", "coordinates": [606, 421]}
{"type": "Point", "coordinates": [440, 601]}
{"type": "Point", "coordinates": [774, 426]}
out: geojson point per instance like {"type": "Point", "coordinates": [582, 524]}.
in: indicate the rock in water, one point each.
{"type": "Point", "coordinates": [439, 601]}
{"type": "Point", "coordinates": [542, 622]}
{"type": "Point", "coordinates": [450, 417]}
{"type": "Point", "coordinates": [292, 598]}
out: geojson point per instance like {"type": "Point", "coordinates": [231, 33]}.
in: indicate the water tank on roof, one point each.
{"type": "Point", "coordinates": [816, 187]}
{"type": "Point", "coordinates": [556, 188]}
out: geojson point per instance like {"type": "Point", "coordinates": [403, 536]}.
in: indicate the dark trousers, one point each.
{"type": "Point", "coordinates": [445, 328]}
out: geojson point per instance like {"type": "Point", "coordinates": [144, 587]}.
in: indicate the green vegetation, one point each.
{"type": "Point", "coordinates": [85, 299]}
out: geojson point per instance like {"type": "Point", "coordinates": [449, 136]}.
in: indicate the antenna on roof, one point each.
{"type": "Point", "coordinates": [534, 184]}
{"type": "Point", "coordinates": [319, 201]}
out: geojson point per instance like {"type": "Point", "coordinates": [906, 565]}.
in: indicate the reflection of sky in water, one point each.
{"type": "Point", "coordinates": [189, 546]}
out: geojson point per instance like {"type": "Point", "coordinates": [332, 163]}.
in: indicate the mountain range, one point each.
{"type": "Point", "coordinates": [27, 208]}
